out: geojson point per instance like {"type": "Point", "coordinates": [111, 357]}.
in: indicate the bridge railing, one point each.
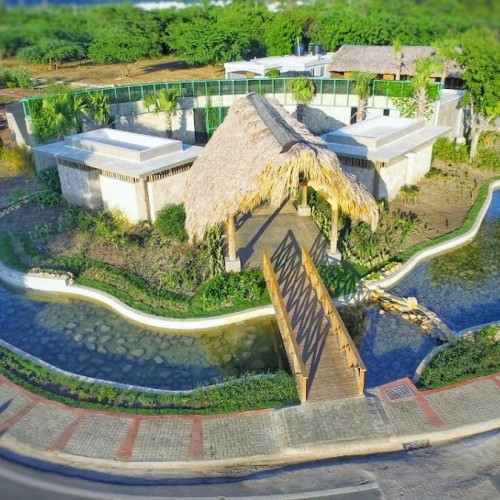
{"type": "Point", "coordinates": [339, 329]}
{"type": "Point", "coordinates": [292, 349]}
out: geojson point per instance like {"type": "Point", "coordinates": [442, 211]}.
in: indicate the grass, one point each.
{"type": "Point", "coordinates": [243, 394]}
{"type": "Point", "coordinates": [466, 225]}
{"type": "Point", "coordinates": [464, 359]}
{"type": "Point", "coordinates": [8, 255]}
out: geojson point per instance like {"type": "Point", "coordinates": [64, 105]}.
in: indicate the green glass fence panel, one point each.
{"type": "Point", "coordinates": [240, 86]}
{"type": "Point", "coordinates": [253, 85]}
{"type": "Point", "coordinates": [328, 86]}
{"type": "Point", "coordinates": [227, 87]}
{"type": "Point", "coordinates": [199, 89]}
{"type": "Point", "coordinates": [135, 94]}
{"type": "Point", "coordinates": [341, 87]}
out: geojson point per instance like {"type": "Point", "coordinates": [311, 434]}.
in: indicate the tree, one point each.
{"type": "Point", "coordinates": [362, 88]}
{"type": "Point", "coordinates": [424, 68]}
{"type": "Point", "coordinates": [165, 101]}
{"type": "Point", "coordinates": [99, 107]}
{"type": "Point", "coordinates": [53, 52]}
{"type": "Point", "coordinates": [123, 48]}
{"type": "Point", "coordinates": [446, 52]}
{"type": "Point", "coordinates": [480, 56]}
{"type": "Point", "coordinates": [397, 48]}
{"type": "Point", "coordinates": [281, 35]}
{"type": "Point", "coordinates": [204, 41]}
{"type": "Point", "coordinates": [303, 91]}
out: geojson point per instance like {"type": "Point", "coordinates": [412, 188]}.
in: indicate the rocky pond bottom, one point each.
{"type": "Point", "coordinates": [86, 339]}
{"type": "Point", "coordinates": [390, 346]}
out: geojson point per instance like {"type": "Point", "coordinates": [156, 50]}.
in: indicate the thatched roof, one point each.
{"type": "Point", "coordinates": [380, 59]}
{"type": "Point", "coordinates": [258, 153]}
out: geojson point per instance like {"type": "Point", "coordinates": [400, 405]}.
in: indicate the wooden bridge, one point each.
{"type": "Point", "coordinates": [321, 353]}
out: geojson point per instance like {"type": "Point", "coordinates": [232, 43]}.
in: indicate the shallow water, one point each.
{"type": "Point", "coordinates": [390, 347]}
{"type": "Point", "coordinates": [86, 339]}
{"type": "Point", "coordinates": [463, 286]}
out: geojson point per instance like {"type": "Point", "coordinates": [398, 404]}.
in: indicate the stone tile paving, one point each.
{"type": "Point", "coordinates": [233, 437]}
{"type": "Point", "coordinates": [11, 402]}
{"type": "Point", "coordinates": [467, 404]}
{"type": "Point", "coordinates": [162, 440]}
{"type": "Point", "coordinates": [337, 421]}
{"type": "Point", "coordinates": [55, 420]}
{"type": "Point", "coordinates": [407, 417]}
{"type": "Point", "coordinates": [98, 436]}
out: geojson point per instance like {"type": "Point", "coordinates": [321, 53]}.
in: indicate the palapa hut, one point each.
{"type": "Point", "coordinates": [261, 153]}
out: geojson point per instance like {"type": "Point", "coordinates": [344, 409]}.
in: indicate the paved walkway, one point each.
{"type": "Point", "coordinates": [389, 418]}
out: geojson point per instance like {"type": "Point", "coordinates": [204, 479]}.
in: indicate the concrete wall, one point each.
{"type": "Point", "coordinates": [392, 179]}
{"type": "Point", "coordinates": [43, 161]}
{"type": "Point", "coordinates": [451, 114]}
{"type": "Point", "coordinates": [364, 176]}
{"type": "Point", "coordinates": [127, 197]}
{"type": "Point", "coordinates": [421, 165]}
{"type": "Point", "coordinates": [17, 124]}
{"type": "Point", "coordinates": [81, 188]}
{"type": "Point", "coordinates": [165, 191]}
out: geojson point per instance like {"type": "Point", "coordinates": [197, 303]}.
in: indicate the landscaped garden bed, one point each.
{"type": "Point", "coordinates": [473, 355]}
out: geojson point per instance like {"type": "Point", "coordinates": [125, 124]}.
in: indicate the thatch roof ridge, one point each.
{"type": "Point", "coordinates": [380, 59]}
{"type": "Point", "coordinates": [244, 164]}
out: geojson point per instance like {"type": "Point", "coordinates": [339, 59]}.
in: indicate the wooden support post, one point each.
{"type": "Point", "coordinates": [231, 237]}
{"type": "Point", "coordinates": [304, 195]}
{"type": "Point", "coordinates": [335, 231]}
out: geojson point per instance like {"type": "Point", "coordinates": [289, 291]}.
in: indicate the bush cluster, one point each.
{"type": "Point", "coordinates": [19, 159]}
{"type": "Point", "coordinates": [464, 359]}
{"type": "Point", "coordinates": [231, 289]}
{"type": "Point", "coordinates": [447, 150]}
{"type": "Point", "coordinates": [15, 78]}
{"type": "Point", "coordinates": [246, 393]}
{"type": "Point", "coordinates": [170, 222]}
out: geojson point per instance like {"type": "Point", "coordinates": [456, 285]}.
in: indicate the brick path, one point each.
{"type": "Point", "coordinates": [63, 432]}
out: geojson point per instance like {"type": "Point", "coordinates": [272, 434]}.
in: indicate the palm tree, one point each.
{"type": "Point", "coordinates": [165, 101]}
{"type": "Point", "coordinates": [303, 91]}
{"type": "Point", "coordinates": [424, 68]}
{"type": "Point", "coordinates": [59, 114]}
{"type": "Point", "coordinates": [99, 106]}
{"type": "Point", "coordinates": [446, 51]}
{"type": "Point", "coordinates": [81, 108]}
{"type": "Point", "coordinates": [362, 88]}
{"type": "Point", "coordinates": [397, 48]}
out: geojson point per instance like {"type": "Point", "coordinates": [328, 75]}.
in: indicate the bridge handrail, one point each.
{"type": "Point", "coordinates": [338, 327]}
{"type": "Point", "coordinates": [292, 349]}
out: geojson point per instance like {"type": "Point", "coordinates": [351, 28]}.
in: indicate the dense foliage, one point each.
{"type": "Point", "coordinates": [243, 394]}
{"type": "Point", "coordinates": [207, 34]}
{"type": "Point", "coordinates": [170, 221]}
{"type": "Point", "coordinates": [465, 358]}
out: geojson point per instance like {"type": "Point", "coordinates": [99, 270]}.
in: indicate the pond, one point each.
{"type": "Point", "coordinates": [463, 286]}
{"type": "Point", "coordinates": [86, 339]}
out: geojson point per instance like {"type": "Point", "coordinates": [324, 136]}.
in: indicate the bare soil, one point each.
{"type": "Point", "coordinates": [89, 74]}
{"type": "Point", "coordinates": [442, 202]}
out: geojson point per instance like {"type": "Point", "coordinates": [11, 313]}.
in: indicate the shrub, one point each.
{"type": "Point", "coordinates": [50, 177]}
{"type": "Point", "coordinates": [111, 227]}
{"type": "Point", "coordinates": [232, 288]}
{"type": "Point", "coordinates": [341, 279]}
{"type": "Point", "coordinates": [48, 198]}
{"type": "Point", "coordinates": [360, 245]}
{"type": "Point", "coordinates": [15, 77]}
{"type": "Point", "coordinates": [170, 222]}
{"type": "Point", "coordinates": [447, 150]}
{"type": "Point", "coordinates": [19, 159]}
{"type": "Point", "coordinates": [488, 152]}
{"type": "Point", "coordinates": [464, 359]}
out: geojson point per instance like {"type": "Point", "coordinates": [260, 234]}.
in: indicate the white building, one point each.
{"type": "Point", "coordinates": [113, 169]}
{"type": "Point", "coordinates": [385, 153]}
{"type": "Point", "coordinates": [306, 65]}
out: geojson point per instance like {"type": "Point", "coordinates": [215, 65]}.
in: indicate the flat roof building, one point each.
{"type": "Point", "coordinates": [135, 173]}
{"type": "Point", "coordinates": [288, 66]}
{"type": "Point", "coordinates": [385, 153]}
